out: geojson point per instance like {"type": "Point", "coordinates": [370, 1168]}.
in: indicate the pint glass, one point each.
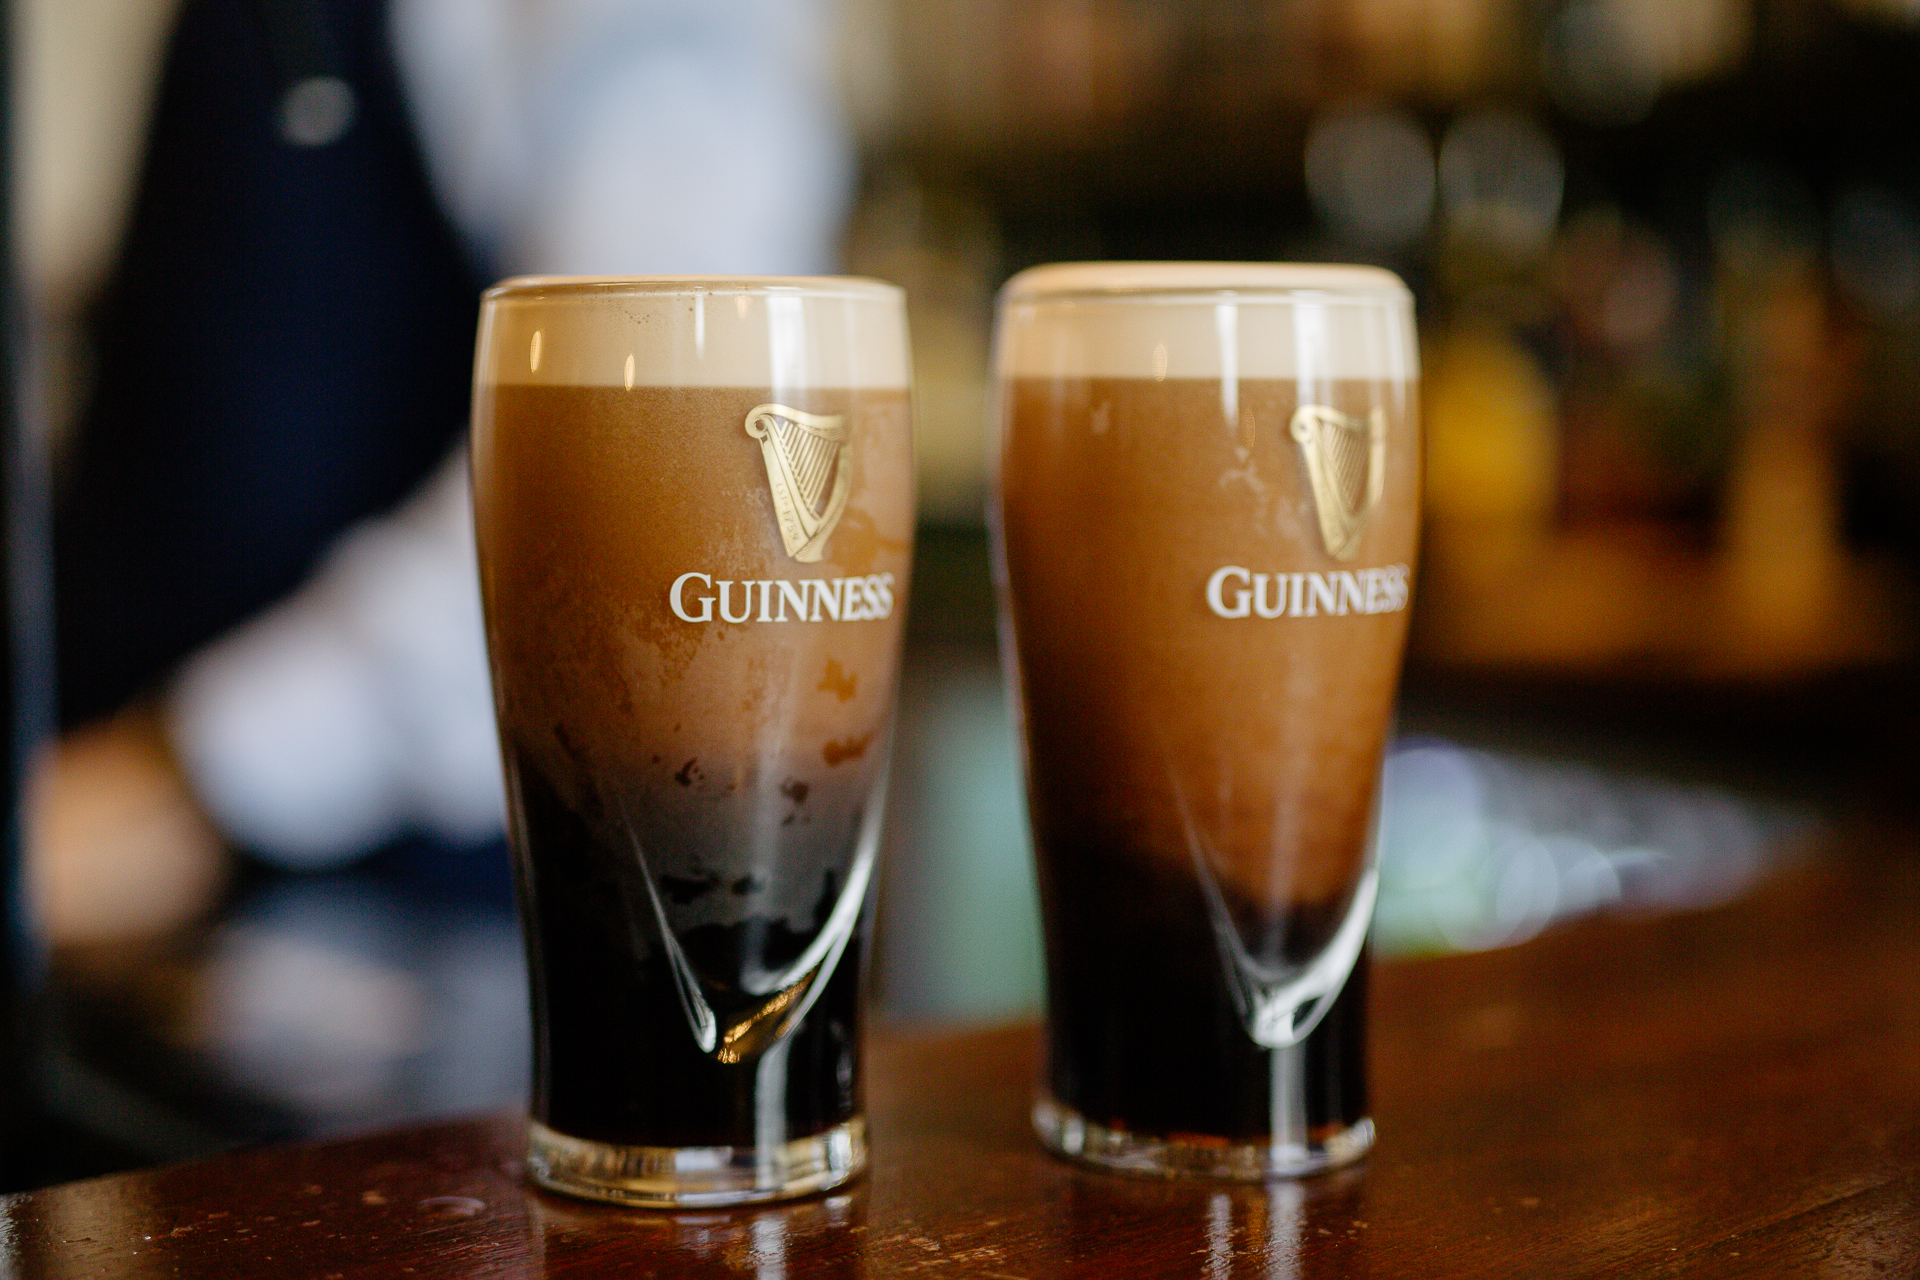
{"type": "Point", "coordinates": [693, 501]}
{"type": "Point", "coordinates": [1206, 516]}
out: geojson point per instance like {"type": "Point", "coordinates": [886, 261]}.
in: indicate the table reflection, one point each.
{"type": "Point", "coordinates": [1294, 1230]}
{"type": "Point", "coordinates": [822, 1237]}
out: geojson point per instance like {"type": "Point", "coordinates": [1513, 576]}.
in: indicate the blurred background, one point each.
{"type": "Point", "coordinates": [1667, 264]}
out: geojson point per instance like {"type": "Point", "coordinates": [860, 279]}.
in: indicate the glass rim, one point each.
{"type": "Point", "coordinates": [540, 287]}
{"type": "Point", "coordinates": [1171, 281]}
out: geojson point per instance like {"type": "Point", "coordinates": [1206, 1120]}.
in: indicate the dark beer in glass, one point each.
{"type": "Point", "coordinates": [694, 506]}
{"type": "Point", "coordinates": [1207, 486]}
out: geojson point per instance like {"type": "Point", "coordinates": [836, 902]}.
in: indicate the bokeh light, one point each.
{"type": "Point", "coordinates": [1370, 173]}
{"type": "Point", "coordinates": [1501, 181]}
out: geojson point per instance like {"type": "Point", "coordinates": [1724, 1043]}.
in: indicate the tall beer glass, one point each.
{"type": "Point", "coordinates": [694, 506]}
{"type": "Point", "coordinates": [1207, 490]}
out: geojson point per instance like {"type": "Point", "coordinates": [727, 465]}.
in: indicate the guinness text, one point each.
{"type": "Point", "coordinates": [1233, 592]}
{"type": "Point", "coordinates": [696, 597]}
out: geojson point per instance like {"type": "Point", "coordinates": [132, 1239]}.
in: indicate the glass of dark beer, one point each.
{"type": "Point", "coordinates": [694, 505]}
{"type": "Point", "coordinates": [1207, 484]}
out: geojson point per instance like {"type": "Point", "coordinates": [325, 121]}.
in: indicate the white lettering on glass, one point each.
{"type": "Point", "coordinates": [706, 602]}
{"type": "Point", "coordinates": [1341, 593]}
{"type": "Point", "coordinates": [781, 600]}
{"type": "Point", "coordinates": [1215, 591]}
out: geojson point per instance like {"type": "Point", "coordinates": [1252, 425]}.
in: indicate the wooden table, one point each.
{"type": "Point", "coordinates": [1730, 1093]}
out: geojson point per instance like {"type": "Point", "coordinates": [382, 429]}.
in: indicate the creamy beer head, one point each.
{"type": "Point", "coordinates": [1220, 321]}
{"type": "Point", "coordinates": [694, 508]}
{"type": "Point", "coordinates": [693, 331]}
{"type": "Point", "coordinates": [1207, 481]}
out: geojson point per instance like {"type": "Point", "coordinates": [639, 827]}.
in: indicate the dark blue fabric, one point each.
{"type": "Point", "coordinates": [285, 348]}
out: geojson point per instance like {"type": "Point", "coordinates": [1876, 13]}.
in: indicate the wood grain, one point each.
{"type": "Point", "coordinates": [1730, 1093]}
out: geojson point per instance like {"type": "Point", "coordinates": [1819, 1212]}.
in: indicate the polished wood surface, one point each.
{"type": "Point", "coordinates": [1733, 1092]}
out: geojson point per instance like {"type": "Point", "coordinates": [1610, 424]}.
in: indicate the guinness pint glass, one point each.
{"type": "Point", "coordinates": [1206, 514]}
{"type": "Point", "coordinates": [694, 506]}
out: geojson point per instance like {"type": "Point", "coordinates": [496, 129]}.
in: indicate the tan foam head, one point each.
{"type": "Point", "coordinates": [693, 331]}
{"type": "Point", "coordinates": [1207, 320]}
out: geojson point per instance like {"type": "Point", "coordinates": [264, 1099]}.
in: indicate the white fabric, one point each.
{"type": "Point", "coordinates": [565, 136]}
{"type": "Point", "coordinates": [631, 136]}
{"type": "Point", "coordinates": [358, 708]}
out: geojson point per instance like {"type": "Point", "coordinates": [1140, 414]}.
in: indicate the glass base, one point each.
{"type": "Point", "coordinates": [690, 1176]}
{"type": "Point", "coordinates": [1066, 1132]}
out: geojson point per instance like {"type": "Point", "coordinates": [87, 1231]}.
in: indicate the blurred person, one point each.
{"type": "Point", "coordinates": [269, 625]}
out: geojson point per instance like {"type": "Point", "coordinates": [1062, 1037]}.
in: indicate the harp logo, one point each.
{"type": "Point", "coordinates": [807, 468]}
{"type": "Point", "coordinates": [1346, 461]}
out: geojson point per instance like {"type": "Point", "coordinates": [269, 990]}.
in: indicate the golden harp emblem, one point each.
{"type": "Point", "coordinates": [1347, 465]}
{"type": "Point", "coordinates": [807, 468]}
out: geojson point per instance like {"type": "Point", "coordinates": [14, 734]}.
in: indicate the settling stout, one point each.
{"type": "Point", "coordinates": [1207, 499]}
{"type": "Point", "coordinates": [694, 509]}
